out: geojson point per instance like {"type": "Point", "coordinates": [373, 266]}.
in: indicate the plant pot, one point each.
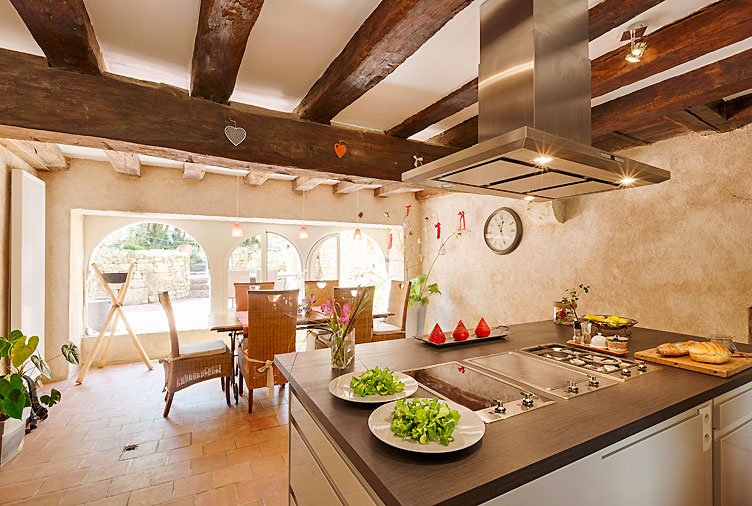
{"type": "Point", "coordinates": [342, 350]}
{"type": "Point", "coordinates": [564, 313]}
{"type": "Point", "coordinates": [420, 319]}
{"type": "Point", "coordinates": [12, 436]}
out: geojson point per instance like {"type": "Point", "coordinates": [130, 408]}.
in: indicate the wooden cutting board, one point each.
{"type": "Point", "coordinates": [733, 366]}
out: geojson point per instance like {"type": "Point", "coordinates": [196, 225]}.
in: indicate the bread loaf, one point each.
{"type": "Point", "coordinates": [675, 349]}
{"type": "Point", "coordinates": [711, 353]}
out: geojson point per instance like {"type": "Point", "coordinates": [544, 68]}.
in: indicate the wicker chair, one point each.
{"type": "Point", "coordinates": [394, 326]}
{"type": "Point", "coordinates": [363, 322]}
{"type": "Point", "coordinates": [241, 293]}
{"type": "Point", "coordinates": [193, 363]}
{"type": "Point", "coordinates": [321, 290]}
{"type": "Point", "coordinates": [272, 317]}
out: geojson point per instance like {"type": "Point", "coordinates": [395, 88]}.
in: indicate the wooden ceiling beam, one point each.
{"type": "Point", "coordinates": [123, 114]}
{"type": "Point", "coordinates": [390, 190]}
{"type": "Point", "coordinates": [722, 78]}
{"type": "Point", "coordinates": [64, 33]}
{"type": "Point", "coordinates": [305, 183]}
{"type": "Point", "coordinates": [346, 187]}
{"type": "Point", "coordinates": [124, 163]}
{"type": "Point", "coordinates": [394, 31]}
{"type": "Point", "coordinates": [255, 178]}
{"type": "Point", "coordinates": [221, 39]}
{"type": "Point", "coordinates": [609, 14]}
{"type": "Point", "coordinates": [429, 193]}
{"type": "Point", "coordinates": [194, 171]}
{"type": "Point", "coordinates": [463, 135]}
{"type": "Point", "coordinates": [459, 99]}
{"type": "Point", "coordinates": [39, 155]}
{"type": "Point", "coordinates": [713, 27]}
{"type": "Point", "coordinates": [714, 114]}
{"type": "Point", "coordinates": [688, 121]}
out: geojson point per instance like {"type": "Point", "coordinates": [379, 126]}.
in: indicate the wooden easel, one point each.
{"type": "Point", "coordinates": [116, 311]}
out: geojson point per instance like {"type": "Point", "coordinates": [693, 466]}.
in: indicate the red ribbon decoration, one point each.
{"type": "Point", "coordinates": [461, 214]}
{"type": "Point", "coordinates": [390, 242]}
{"type": "Point", "coordinates": [438, 230]}
{"type": "Point", "coordinates": [408, 210]}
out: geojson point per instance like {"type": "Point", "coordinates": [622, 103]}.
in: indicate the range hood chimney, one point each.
{"type": "Point", "coordinates": [534, 111]}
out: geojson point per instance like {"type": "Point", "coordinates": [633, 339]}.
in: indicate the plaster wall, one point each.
{"type": "Point", "coordinates": [77, 198]}
{"type": "Point", "coordinates": [676, 256]}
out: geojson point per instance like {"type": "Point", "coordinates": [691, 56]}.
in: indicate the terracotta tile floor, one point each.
{"type": "Point", "coordinates": [205, 453]}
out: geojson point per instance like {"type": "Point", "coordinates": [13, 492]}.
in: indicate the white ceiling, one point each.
{"type": "Point", "coordinates": [294, 41]}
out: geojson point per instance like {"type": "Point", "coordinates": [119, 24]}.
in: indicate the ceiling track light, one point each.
{"type": "Point", "coordinates": [637, 46]}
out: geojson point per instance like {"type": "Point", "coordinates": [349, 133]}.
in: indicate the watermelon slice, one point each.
{"type": "Point", "coordinates": [482, 330]}
{"type": "Point", "coordinates": [460, 332]}
{"type": "Point", "coordinates": [437, 335]}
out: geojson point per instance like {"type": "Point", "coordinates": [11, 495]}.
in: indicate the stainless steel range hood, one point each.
{"type": "Point", "coordinates": [534, 111]}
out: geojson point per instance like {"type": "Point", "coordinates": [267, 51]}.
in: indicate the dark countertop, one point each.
{"type": "Point", "coordinates": [513, 451]}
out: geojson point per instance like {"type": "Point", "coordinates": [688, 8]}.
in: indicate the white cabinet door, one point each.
{"type": "Point", "coordinates": [672, 466]}
{"type": "Point", "coordinates": [735, 462]}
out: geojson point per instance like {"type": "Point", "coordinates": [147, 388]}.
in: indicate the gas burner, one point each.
{"type": "Point", "coordinates": [595, 362]}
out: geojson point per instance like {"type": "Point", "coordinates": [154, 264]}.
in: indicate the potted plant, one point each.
{"type": "Point", "coordinates": [341, 324]}
{"type": "Point", "coordinates": [19, 404]}
{"type": "Point", "coordinates": [420, 291]}
{"type": "Point", "coordinates": [565, 310]}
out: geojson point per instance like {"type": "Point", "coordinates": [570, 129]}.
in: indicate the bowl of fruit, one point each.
{"type": "Point", "coordinates": [610, 325]}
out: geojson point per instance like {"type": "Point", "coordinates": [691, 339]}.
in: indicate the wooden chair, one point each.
{"type": "Point", "coordinates": [272, 317]}
{"type": "Point", "coordinates": [192, 363]}
{"type": "Point", "coordinates": [241, 293]}
{"type": "Point", "coordinates": [322, 290]}
{"type": "Point", "coordinates": [394, 326]}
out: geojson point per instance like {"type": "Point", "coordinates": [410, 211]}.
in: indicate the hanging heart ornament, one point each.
{"type": "Point", "coordinates": [340, 149]}
{"type": "Point", "coordinates": [236, 135]}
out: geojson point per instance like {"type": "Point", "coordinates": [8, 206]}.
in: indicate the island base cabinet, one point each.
{"type": "Point", "coordinates": [732, 451]}
{"type": "Point", "coordinates": [665, 465]}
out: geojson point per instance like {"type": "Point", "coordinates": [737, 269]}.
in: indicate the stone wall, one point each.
{"type": "Point", "coordinates": [154, 271]}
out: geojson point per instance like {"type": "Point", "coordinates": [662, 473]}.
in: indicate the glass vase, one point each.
{"type": "Point", "coordinates": [564, 313]}
{"type": "Point", "coordinates": [342, 350]}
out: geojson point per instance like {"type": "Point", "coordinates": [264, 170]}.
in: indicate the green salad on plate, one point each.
{"type": "Point", "coordinates": [376, 381]}
{"type": "Point", "coordinates": [424, 420]}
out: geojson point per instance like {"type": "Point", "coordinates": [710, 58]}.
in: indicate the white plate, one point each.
{"type": "Point", "coordinates": [340, 387]}
{"type": "Point", "coordinates": [468, 431]}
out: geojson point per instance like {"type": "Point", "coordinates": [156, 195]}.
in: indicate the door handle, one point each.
{"type": "Point", "coordinates": [707, 427]}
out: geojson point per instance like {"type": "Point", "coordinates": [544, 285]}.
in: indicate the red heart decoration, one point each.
{"type": "Point", "coordinates": [340, 149]}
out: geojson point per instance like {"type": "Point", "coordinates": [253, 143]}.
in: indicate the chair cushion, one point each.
{"type": "Point", "coordinates": [203, 349]}
{"type": "Point", "coordinates": [385, 328]}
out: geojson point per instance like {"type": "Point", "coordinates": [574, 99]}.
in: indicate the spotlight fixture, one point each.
{"type": "Point", "coordinates": [529, 198]}
{"type": "Point", "coordinates": [637, 46]}
{"type": "Point", "coordinates": [543, 160]}
{"type": "Point", "coordinates": [626, 181]}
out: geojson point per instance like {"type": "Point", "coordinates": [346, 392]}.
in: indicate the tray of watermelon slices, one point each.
{"type": "Point", "coordinates": [460, 335]}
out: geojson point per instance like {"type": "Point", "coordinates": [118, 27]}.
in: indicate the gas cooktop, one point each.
{"type": "Point", "coordinates": [617, 368]}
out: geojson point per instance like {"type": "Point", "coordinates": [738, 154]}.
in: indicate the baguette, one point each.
{"type": "Point", "coordinates": [675, 349]}
{"type": "Point", "coordinates": [711, 353]}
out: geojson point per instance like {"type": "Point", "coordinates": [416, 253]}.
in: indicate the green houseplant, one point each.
{"type": "Point", "coordinates": [565, 310]}
{"type": "Point", "coordinates": [18, 397]}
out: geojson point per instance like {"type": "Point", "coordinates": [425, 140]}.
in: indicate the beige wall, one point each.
{"type": "Point", "coordinates": [94, 186]}
{"type": "Point", "coordinates": [676, 256]}
{"type": "Point", "coordinates": [8, 162]}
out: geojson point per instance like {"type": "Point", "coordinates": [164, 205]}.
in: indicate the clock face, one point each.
{"type": "Point", "coordinates": [503, 231]}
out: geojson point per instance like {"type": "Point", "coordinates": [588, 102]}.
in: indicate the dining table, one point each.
{"type": "Point", "coordinates": [234, 323]}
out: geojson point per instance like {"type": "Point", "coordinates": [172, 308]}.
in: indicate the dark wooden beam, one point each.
{"type": "Point", "coordinates": [629, 138]}
{"type": "Point", "coordinates": [109, 112]}
{"type": "Point", "coordinates": [454, 102]}
{"type": "Point", "coordinates": [739, 108]}
{"type": "Point", "coordinates": [609, 14]}
{"type": "Point", "coordinates": [714, 114]}
{"type": "Point", "coordinates": [716, 26]}
{"type": "Point", "coordinates": [463, 135]}
{"type": "Point", "coordinates": [63, 31]}
{"type": "Point", "coordinates": [221, 38]}
{"type": "Point", "coordinates": [688, 121]}
{"type": "Point", "coordinates": [394, 31]}
{"type": "Point", "coordinates": [722, 78]}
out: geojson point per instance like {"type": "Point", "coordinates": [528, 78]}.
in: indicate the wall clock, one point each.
{"type": "Point", "coordinates": [503, 231]}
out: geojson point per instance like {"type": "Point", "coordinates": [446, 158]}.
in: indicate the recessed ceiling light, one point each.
{"type": "Point", "coordinates": [543, 160]}
{"type": "Point", "coordinates": [529, 198]}
{"type": "Point", "coordinates": [627, 181]}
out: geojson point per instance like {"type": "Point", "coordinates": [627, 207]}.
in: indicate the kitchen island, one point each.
{"type": "Point", "coordinates": [658, 426]}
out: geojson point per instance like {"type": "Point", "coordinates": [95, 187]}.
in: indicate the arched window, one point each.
{"type": "Point", "coordinates": [284, 265]}
{"type": "Point", "coordinates": [353, 262]}
{"type": "Point", "coordinates": [164, 258]}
